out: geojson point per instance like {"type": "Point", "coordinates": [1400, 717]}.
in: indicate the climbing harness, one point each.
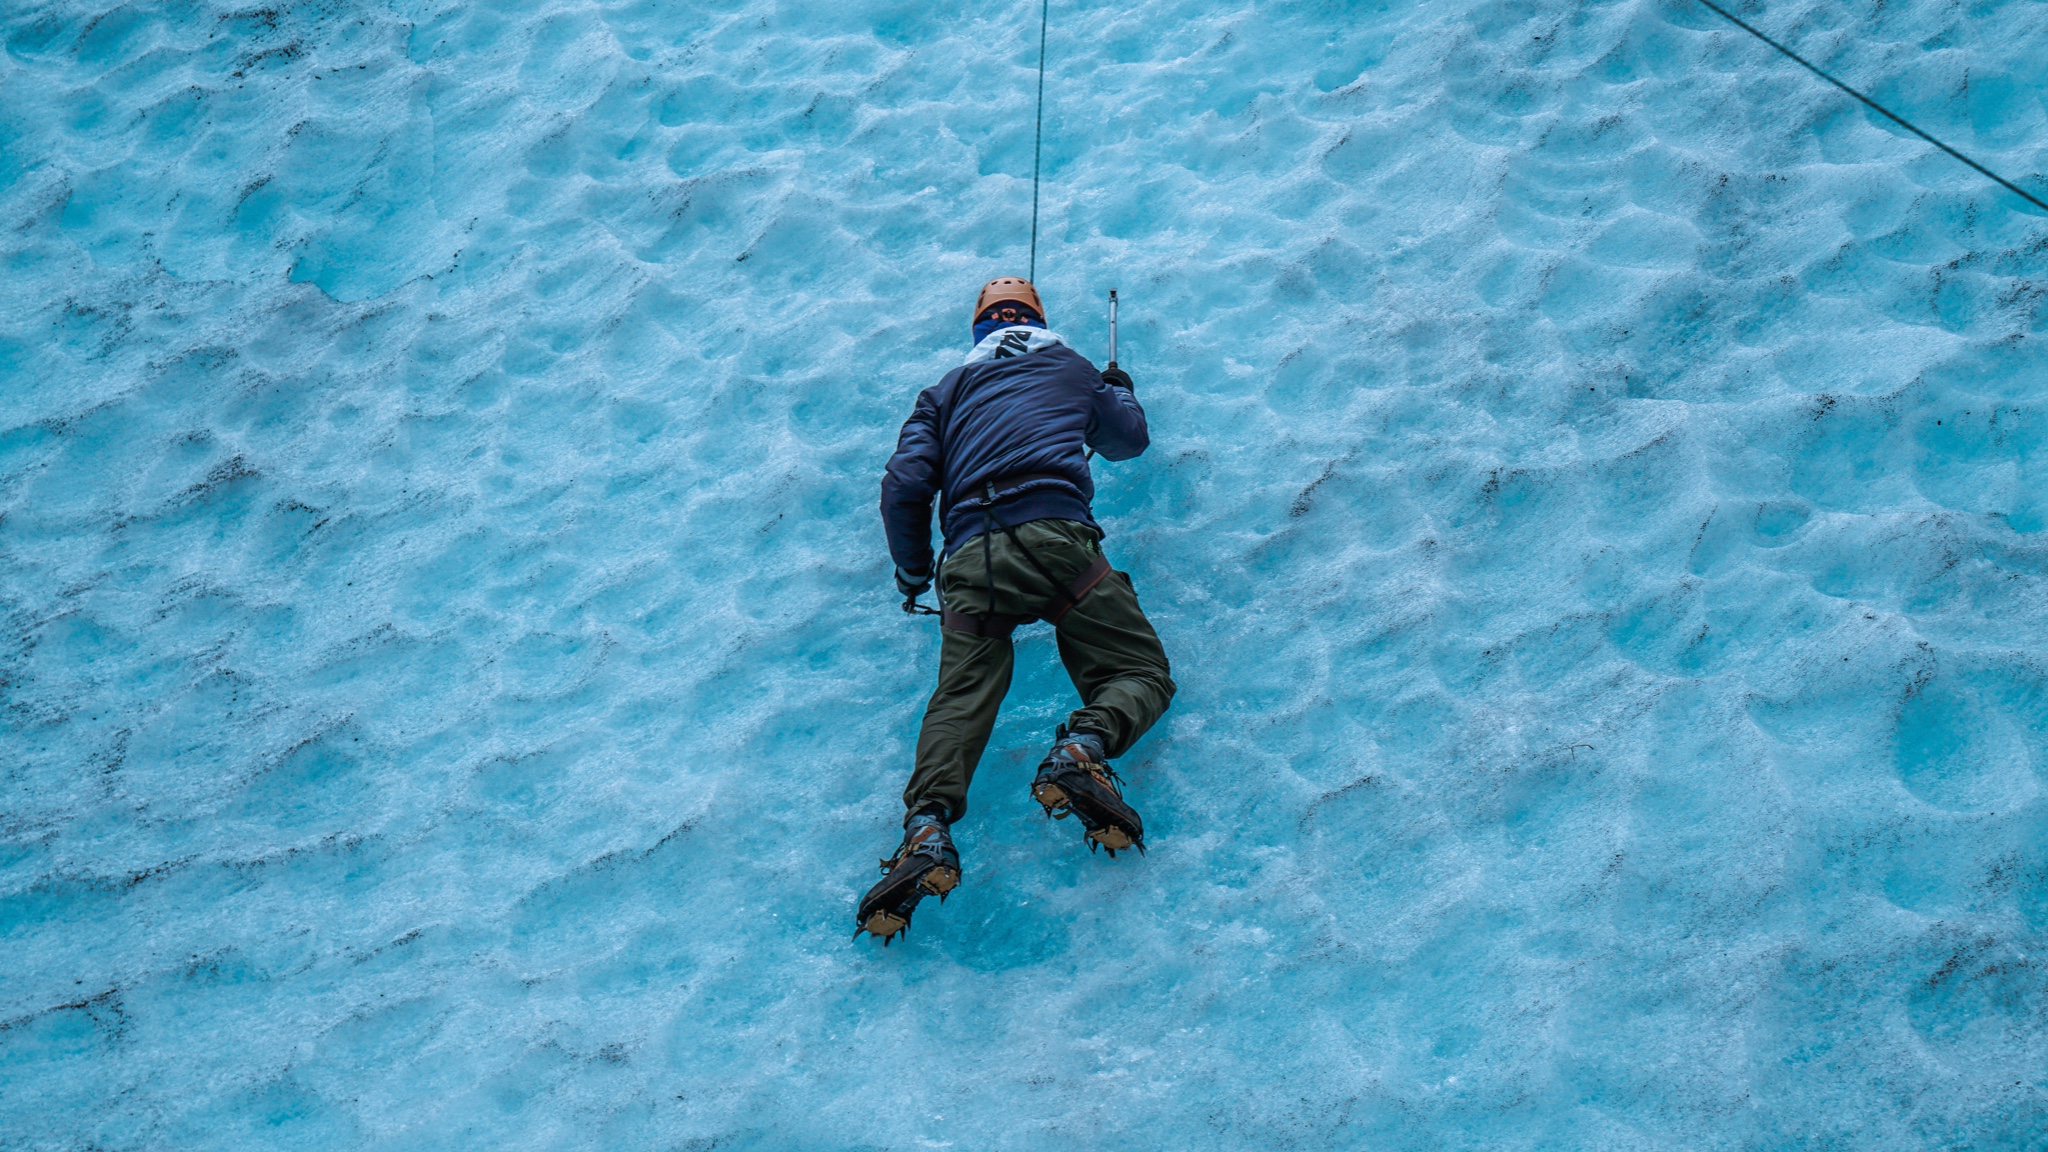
{"type": "Point", "coordinates": [1874, 106]}
{"type": "Point", "coordinates": [994, 624]}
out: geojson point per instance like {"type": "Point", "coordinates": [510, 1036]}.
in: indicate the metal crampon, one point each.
{"type": "Point", "coordinates": [1074, 782]}
{"type": "Point", "coordinates": [925, 864]}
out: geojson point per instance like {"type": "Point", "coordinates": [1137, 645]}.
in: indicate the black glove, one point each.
{"type": "Point", "coordinates": [1118, 378]}
{"type": "Point", "coordinates": [912, 586]}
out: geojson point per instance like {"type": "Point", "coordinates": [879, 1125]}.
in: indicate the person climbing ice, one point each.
{"type": "Point", "coordinates": [1001, 443]}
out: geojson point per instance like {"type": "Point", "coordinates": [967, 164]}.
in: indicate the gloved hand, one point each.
{"type": "Point", "coordinates": [1118, 378]}
{"type": "Point", "coordinates": [912, 586]}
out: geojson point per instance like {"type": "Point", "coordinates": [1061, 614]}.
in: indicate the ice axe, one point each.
{"type": "Point", "coordinates": [1112, 327]}
{"type": "Point", "coordinates": [1090, 453]}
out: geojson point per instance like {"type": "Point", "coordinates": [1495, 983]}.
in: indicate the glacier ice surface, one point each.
{"type": "Point", "coordinates": [453, 694]}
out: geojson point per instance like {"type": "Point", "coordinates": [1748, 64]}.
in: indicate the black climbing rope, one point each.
{"type": "Point", "coordinates": [1874, 106]}
{"type": "Point", "coordinates": [1038, 140]}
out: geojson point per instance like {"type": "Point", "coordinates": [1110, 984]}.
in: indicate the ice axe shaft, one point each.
{"type": "Point", "coordinates": [1112, 327]}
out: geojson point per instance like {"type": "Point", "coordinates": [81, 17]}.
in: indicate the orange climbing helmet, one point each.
{"type": "Point", "coordinates": [1008, 288]}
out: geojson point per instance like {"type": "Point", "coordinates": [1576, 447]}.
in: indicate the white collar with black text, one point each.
{"type": "Point", "coordinates": [1016, 340]}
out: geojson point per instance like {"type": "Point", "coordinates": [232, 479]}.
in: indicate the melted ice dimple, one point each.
{"type": "Point", "coordinates": [454, 694]}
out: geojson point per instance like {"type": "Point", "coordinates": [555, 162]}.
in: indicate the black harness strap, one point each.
{"type": "Point", "coordinates": [1009, 483]}
{"type": "Point", "coordinates": [988, 563]}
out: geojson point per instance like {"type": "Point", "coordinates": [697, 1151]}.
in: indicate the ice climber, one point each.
{"type": "Point", "coordinates": [1000, 443]}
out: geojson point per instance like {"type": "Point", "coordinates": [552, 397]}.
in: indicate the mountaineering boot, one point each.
{"type": "Point", "coordinates": [1076, 778]}
{"type": "Point", "coordinates": [925, 864]}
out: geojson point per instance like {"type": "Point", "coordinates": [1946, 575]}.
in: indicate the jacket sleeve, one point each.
{"type": "Point", "coordinates": [909, 485]}
{"type": "Point", "coordinates": [1116, 427]}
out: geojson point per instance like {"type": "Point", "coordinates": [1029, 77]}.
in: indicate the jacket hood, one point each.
{"type": "Point", "coordinates": [1016, 340]}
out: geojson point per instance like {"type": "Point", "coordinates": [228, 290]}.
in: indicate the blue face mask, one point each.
{"type": "Point", "coordinates": [1020, 314]}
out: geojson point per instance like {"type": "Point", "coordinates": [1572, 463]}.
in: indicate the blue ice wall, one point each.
{"type": "Point", "coordinates": [453, 693]}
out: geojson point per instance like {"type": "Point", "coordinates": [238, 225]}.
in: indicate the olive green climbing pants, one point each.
{"type": "Point", "coordinates": [1110, 650]}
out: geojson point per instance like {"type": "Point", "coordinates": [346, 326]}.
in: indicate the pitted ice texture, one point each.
{"type": "Point", "coordinates": [455, 693]}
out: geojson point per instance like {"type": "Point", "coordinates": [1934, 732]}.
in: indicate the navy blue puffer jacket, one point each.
{"type": "Point", "coordinates": [1019, 414]}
